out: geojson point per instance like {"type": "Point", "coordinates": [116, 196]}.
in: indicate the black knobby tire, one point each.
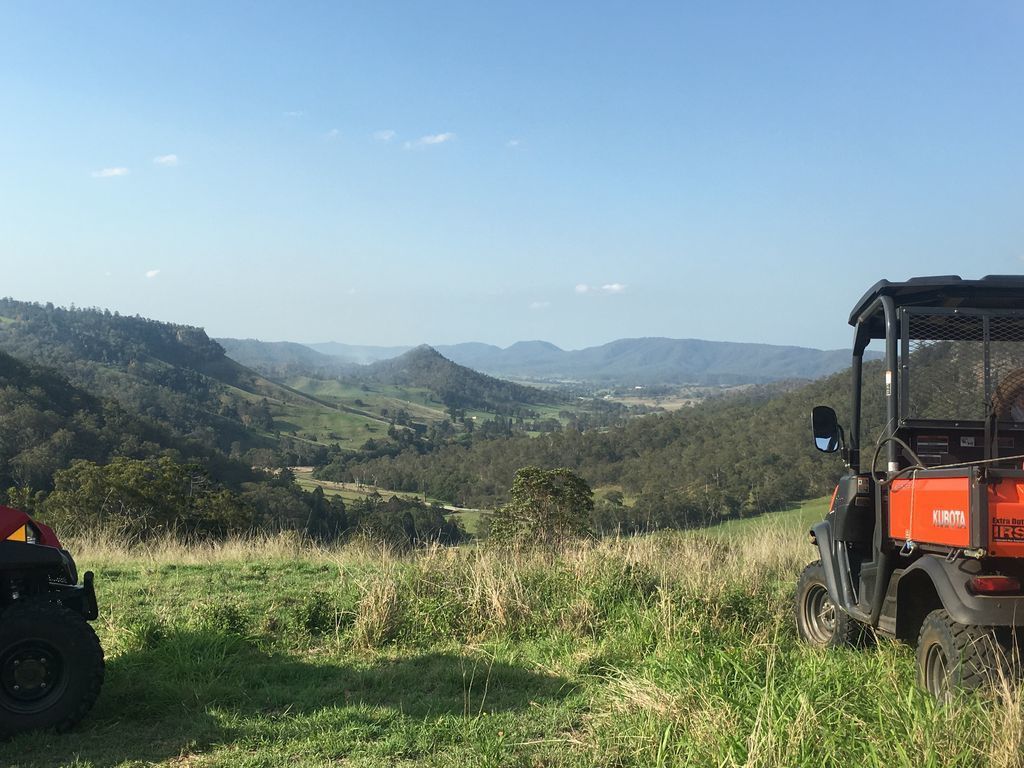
{"type": "Point", "coordinates": [819, 621]}
{"type": "Point", "coordinates": [953, 656]}
{"type": "Point", "coordinates": [51, 668]}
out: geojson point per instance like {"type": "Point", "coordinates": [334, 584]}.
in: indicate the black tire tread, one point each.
{"type": "Point", "coordinates": [982, 657]}
{"type": "Point", "coordinates": [92, 658]}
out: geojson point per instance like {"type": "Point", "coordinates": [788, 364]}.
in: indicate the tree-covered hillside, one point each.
{"type": "Point", "coordinates": [46, 423]}
{"type": "Point", "coordinates": [171, 374]}
{"type": "Point", "coordinates": [147, 391]}
{"type": "Point", "coordinates": [85, 464]}
{"type": "Point", "coordinates": [454, 384]}
{"type": "Point", "coordinates": [168, 373]}
{"type": "Point", "coordinates": [737, 455]}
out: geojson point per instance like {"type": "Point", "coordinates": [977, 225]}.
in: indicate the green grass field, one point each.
{"type": "Point", "coordinates": [417, 402]}
{"type": "Point", "coordinates": [370, 400]}
{"type": "Point", "coordinates": [676, 649]}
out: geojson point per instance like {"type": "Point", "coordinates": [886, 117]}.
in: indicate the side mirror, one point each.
{"type": "Point", "coordinates": [828, 435]}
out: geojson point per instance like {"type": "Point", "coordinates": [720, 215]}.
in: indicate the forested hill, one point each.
{"type": "Point", "coordinates": [58, 336]}
{"type": "Point", "coordinates": [736, 455]}
{"type": "Point", "coordinates": [452, 383]}
{"type": "Point", "coordinates": [421, 368]}
{"type": "Point", "coordinates": [172, 374]}
{"type": "Point", "coordinates": [46, 423]}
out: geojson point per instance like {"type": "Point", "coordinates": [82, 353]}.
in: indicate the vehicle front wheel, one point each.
{"type": "Point", "coordinates": [953, 656]}
{"type": "Point", "coordinates": [819, 621]}
{"type": "Point", "coordinates": [51, 668]}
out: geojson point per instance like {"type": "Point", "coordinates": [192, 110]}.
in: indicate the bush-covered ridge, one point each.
{"type": "Point", "coordinates": [46, 423]}
{"type": "Point", "coordinates": [453, 384]}
{"type": "Point", "coordinates": [728, 457]}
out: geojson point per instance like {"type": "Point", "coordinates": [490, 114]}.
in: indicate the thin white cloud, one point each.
{"type": "Point", "coordinates": [152, 273]}
{"type": "Point", "coordinates": [334, 133]}
{"type": "Point", "coordinates": [539, 304]}
{"type": "Point", "coordinates": [295, 113]}
{"type": "Point", "coordinates": [606, 288]}
{"type": "Point", "coordinates": [385, 135]}
{"type": "Point", "coordinates": [109, 173]}
{"type": "Point", "coordinates": [167, 161]}
{"type": "Point", "coordinates": [513, 143]}
{"type": "Point", "coordinates": [430, 140]}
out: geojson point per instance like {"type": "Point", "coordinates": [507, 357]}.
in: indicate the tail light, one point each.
{"type": "Point", "coordinates": [994, 585]}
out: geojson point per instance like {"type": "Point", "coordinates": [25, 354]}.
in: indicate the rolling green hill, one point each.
{"type": "Point", "coordinates": [453, 384]}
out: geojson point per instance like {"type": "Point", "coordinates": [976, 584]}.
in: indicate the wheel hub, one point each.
{"type": "Point", "coordinates": [819, 614]}
{"type": "Point", "coordinates": [28, 672]}
{"type": "Point", "coordinates": [937, 672]}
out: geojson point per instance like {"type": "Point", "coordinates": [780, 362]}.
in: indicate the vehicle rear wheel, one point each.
{"type": "Point", "coordinates": [819, 621]}
{"type": "Point", "coordinates": [952, 656]}
{"type": "Point", "coordinates": [51, 668]}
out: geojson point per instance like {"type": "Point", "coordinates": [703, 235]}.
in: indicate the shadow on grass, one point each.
{"type": "Point", "coordinates": [194, 690]}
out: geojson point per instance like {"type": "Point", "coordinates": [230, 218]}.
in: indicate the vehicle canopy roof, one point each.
{"type": "Point", "coordinates": [944, 291]}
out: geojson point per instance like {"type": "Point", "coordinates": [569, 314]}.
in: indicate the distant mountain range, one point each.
{"type": "Point", "coordinates": [643, 361]}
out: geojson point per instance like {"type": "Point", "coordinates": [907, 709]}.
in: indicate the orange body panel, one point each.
{"type": "Point", "coordinates": [1006, 518]}
{"type": "Point", "coordinates": [931, 510]}
{"type": "Point", "coordinates": [937, 510]}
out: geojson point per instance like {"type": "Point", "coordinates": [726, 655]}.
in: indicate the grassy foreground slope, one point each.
{"type": "Point", "coordinates": [672, 649]}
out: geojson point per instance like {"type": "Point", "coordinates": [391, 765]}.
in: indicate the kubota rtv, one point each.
{"type": "Point", "coordinates": [924, 538]}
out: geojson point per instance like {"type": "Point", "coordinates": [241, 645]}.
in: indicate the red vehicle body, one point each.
{"type": "Point", "coordinates": [13, 521]}
{"type": "Point", "coordinates": [51, 662]}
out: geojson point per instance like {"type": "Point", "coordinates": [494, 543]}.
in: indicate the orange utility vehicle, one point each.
{"type": "Point", "coordinates": [924, 538]}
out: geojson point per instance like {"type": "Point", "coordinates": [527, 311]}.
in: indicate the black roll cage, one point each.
{"type": "Point", "coordinates": [883, 313]}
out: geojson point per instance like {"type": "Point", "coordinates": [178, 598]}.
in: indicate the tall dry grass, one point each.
{"type": "Point", "coordinates": [682, 642]}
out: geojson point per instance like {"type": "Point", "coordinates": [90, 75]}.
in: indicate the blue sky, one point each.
{"type": "Point", "coordinates": [394, 173]}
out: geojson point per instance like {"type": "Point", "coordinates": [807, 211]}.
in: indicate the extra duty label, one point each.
{"type": "Point", "coordinates": [1008, 529]}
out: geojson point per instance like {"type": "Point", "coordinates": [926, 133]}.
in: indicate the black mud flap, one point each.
{"type": "Point", "coordinates": [837, 572]}
{"type": "Point", "coordinates": [822, 533]}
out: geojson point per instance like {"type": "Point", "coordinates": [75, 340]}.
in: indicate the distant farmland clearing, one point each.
{"type": "Point", "coordinates": [470, 518]}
